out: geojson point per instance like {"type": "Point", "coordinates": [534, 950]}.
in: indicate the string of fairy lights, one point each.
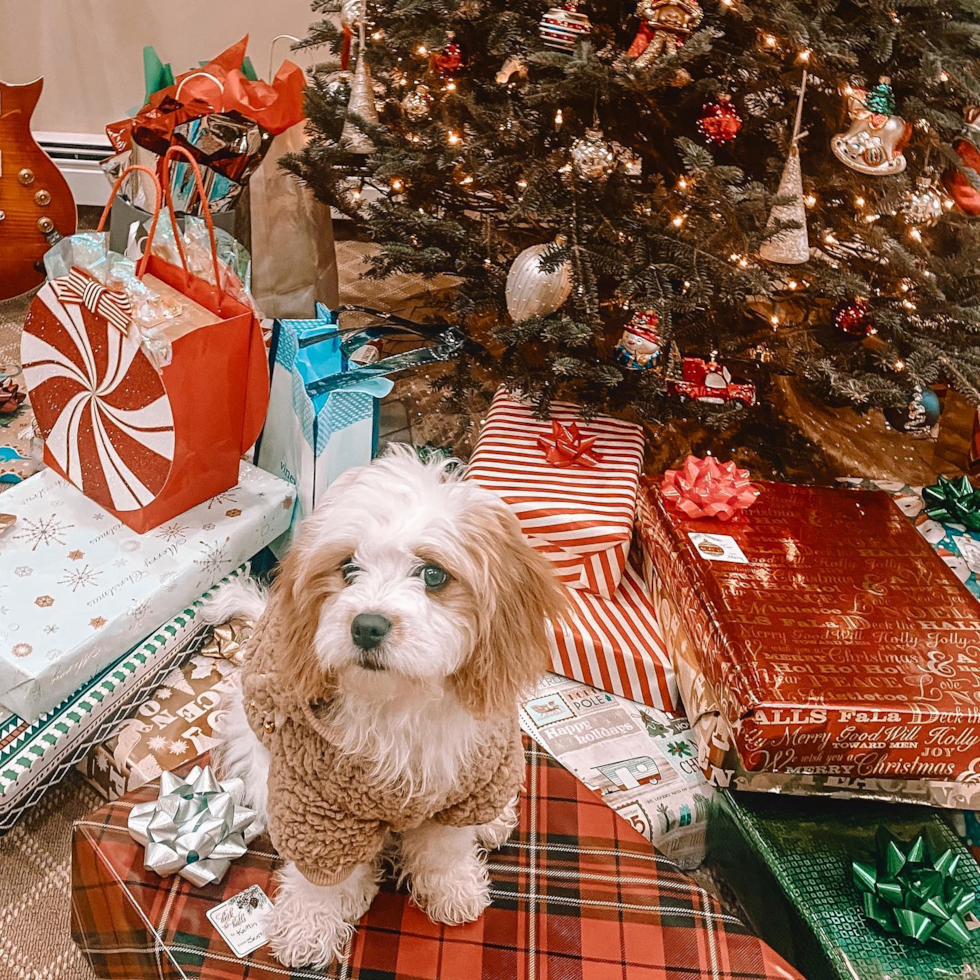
{"type": "Point", "coordinates": [429, 87]}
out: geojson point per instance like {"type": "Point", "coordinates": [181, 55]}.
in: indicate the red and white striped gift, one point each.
{"type": "Point", "coordinates": [616, 645]}
{"type": "Point", "coordinates": [581, 517]}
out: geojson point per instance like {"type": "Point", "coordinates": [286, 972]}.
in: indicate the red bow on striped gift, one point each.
{"type": "Point", "coordinates": [568, 447]}
{"type": "Point", "coordinates": [78, 288]}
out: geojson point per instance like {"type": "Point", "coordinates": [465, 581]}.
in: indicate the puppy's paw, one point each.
{"type": "Point", "coordinates": [453, 896]}
{"type": "Point", "coordinates": [311, 925]}
{"type": "Point", "coordinates": [496, 833]}
{"type": "Point", "coordinates": [304, 935]}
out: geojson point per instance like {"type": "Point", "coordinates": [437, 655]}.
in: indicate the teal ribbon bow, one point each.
{"type": "Point", "coordinates": [912, 892]}
{"type": "Point", "coordinates": [196, 827]}
{"type": "Point", "coordinates": [953, 502]}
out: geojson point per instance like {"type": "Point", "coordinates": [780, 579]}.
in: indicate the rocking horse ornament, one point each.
{"type": "Point", "coordinates": [874, 143]}
{"type": "Point", "coordinates": [664, 27]}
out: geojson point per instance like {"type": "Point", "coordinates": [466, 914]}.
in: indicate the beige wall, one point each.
{"type": "Point", "coordinates": [90, 51]}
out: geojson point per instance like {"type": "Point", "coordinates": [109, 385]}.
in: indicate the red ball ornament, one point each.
{"type": "Point", "coordinates": [851, 317]}
{"type": "Point", "coordinates": [719, 121]}
{"type": "Point", "coordinates": [966, 196]}
{"type": "Point", "coordinates": [450, 59]}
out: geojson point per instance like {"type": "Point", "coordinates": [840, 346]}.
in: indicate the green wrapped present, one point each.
{"type": "Point", "coordinates": [791, 861]}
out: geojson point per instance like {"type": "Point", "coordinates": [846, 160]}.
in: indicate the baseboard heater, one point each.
{"type": "Point", "coordinates": [77, 156]}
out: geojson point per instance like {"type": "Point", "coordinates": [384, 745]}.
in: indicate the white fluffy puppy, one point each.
{"type": "Point", "coordinates": [379, 697]}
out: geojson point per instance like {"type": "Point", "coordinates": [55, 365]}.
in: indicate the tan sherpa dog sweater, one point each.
{"type": "Point", "coordinates": [325, 813]}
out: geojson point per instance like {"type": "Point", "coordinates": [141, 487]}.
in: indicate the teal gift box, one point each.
{"type": "Point", "coordinates": [789, 862]}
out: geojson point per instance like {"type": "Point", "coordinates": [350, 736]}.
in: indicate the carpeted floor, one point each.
{"type": "Point", "coordinates": [35, 857]}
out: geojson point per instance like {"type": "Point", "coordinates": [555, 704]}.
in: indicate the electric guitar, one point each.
{"type": "Point", "coordinates": [36, 204]}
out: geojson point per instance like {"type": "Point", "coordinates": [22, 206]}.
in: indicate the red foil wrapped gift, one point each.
{"type": "Point", "coordinates": [834, 638]}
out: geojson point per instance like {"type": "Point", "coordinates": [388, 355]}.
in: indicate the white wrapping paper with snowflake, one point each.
{"type": "Point", "coordinates": [81, 585]}
{"type": "Point", "coordinates": [175, 725]}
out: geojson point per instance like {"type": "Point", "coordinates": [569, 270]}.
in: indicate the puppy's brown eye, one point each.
{"type": "Point", "coordinates": [433, 576]}
{"type": "Point", "coordinates": [348, 569]}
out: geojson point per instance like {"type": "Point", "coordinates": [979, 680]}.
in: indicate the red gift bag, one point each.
{"type": "Point", "coordinates": [143, 441]}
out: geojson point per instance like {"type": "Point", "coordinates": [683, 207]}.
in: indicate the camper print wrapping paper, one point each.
{"type": "Point", "coordinates": [642, 762]}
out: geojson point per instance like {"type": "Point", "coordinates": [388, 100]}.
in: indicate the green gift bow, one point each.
{"type": "Point", "coordinates": [953, 501]}
{"type": "Point", "coordinates": [913, 892]}
{"type": "Point", "coordinates": [196, 827]}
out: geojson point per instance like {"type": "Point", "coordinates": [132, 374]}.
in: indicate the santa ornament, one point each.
{"type": "Point", "coordinates": [959, 188]}
{"type": "Point", "coordinates": [640, 345]}
{"type": "Point", "coordinates": [874, 143]}
{"type": "Point", "coordinates": [664, 27]}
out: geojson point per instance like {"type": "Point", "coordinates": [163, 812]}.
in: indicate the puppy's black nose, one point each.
{"type": "Point", "coordinates": [369, 629]}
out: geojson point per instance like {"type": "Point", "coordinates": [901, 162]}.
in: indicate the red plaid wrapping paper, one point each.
{"type": "Point", "coordinates": [580, 517]}
{"type": "Point", "coordinates": [577, 895]}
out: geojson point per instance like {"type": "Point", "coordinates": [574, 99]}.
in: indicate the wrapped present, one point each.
{"type": "Point", "coordinates": [572, 484]}
{"type": "Point", "coordinates": [81, 585]}
{"type": "Point", "coordinates": [573, 487]}
{"type": "Point", "coordinates": [790, 862]}
{"type": "Point", "coordinates": [577, 892]}
{"type": "Point", "coordinates": [835, 639]}
{"type": "Point", "coordinates": [173, 726]}
{"type": "Point", "coordinates": [641, 761]}
{"type": "Point", "coordinates": [34, 755]}
{"type": "Point", "coordinates": [956, 543]}
{"type": "Point", "coordinates": [18, 458]}
{"type": "Point", "coordinates": [717, 757]}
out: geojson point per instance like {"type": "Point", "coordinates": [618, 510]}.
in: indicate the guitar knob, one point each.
{"type": "Point", "coordinates": [45, 225]}
{"type": "Point", "coordinates": [2, 215]}
{"type": "Point", "coordinates": [42, 197]}
{"type": "Point", "coordinates": [26, 176]}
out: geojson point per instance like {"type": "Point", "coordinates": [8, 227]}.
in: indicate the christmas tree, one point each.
{"type": "Point", "coordinates": [754, 187]}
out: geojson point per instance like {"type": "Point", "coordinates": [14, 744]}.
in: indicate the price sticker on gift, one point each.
{"type": "Point", "coordinates": [240, 920]}
{"type": "Point", "coordinates": [717, 547]}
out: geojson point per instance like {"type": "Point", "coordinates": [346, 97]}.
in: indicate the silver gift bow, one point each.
{"type": "Point", "coordinates": [196, 827]}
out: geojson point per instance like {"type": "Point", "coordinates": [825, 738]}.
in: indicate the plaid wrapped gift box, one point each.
{"type": "Point", "coordinates": [36, 755]}
{"type": "Point", "coordinates": [789, 862]}
{"type": "Point", "coordinates": [577, 893]}
{"type": "Point", "coordinates": [581, 518]}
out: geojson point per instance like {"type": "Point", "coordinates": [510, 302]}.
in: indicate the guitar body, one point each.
{"type": "Point", "coordinates": [35, 199]}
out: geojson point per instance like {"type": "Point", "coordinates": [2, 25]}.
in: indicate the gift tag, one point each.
{"type": "Point", "coordinates": [239, 920]}
{"type": "Point", "coordinates": [717, 547]}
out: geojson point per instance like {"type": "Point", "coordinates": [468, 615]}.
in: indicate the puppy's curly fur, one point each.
{"type": "Point", "coordinates": [448, 673]}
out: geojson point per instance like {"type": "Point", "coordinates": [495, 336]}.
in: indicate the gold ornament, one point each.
{"type": "Point", "coordinates": [416, 104]}
{"type": "Point", "coordinates": [923, 206]}
{"type": "Point", "coordinates": [877, 136]}
{"type": "Point", "coordinates": [592, 157]}
{"type": "Point", "coordinates": [664, 27]}
{"type": "Point", "coordinates": [361, 103]}
{"type": "Point", "coordinates": [531, 291]}
{"type": "Point", "coordinates": [791, 246]}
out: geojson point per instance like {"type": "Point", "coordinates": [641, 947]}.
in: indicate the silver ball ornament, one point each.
{"type": "Point", "coordinates": [417, 103]}
{"type": "Point", "coordinates": [592, 157]}
{"type": "Point", "coordinates": [923, 206]}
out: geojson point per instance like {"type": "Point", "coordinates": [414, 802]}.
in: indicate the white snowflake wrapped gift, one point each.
{"type": "Point", "coordinates": [86, 588]}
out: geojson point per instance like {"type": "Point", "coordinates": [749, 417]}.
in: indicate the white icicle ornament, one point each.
{"type": "Point", "coordinates": [532, 291]}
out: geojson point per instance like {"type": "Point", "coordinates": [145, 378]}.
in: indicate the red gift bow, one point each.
{"type": "Point", "coordinates": [568, 447]}
{"type": "Point", "coordinates": [707, 488]}
{"type": "Point", "coordinates": [78, 288]}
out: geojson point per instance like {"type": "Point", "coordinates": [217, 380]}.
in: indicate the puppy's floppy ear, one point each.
{"type": "Point", "coordinates": [307, 577]}
{"type": "Point", "coordinates": [517, 592]}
